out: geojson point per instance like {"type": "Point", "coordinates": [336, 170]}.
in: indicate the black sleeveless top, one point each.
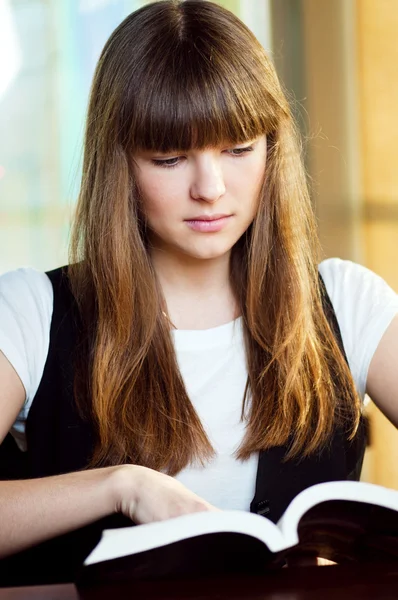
{"type": "Point", "coordinates": [59, 441]}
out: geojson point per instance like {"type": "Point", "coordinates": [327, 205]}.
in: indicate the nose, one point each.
{"type": "Point", "coordinates": [208, 180]}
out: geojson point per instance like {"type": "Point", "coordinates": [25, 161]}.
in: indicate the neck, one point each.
{"type": "Point", "coordinates": [198, 293]}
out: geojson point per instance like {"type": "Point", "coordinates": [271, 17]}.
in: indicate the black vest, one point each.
{"type": "Point", "coordinates": [59, 441]}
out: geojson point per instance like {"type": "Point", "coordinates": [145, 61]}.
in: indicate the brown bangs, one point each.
{"type": "Point", "coordinates": [181, 115]}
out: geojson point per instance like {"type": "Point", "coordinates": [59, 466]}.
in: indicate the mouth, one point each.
{"type": "Point", "coordinates": [208, 217]}
{"type": "Point", "coordinates": [209, 223]}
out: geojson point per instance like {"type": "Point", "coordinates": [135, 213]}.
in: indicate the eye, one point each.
{"type": "Point", "coordinates": [240, 151]}
{"type": "Point", "coordinates": [167, 163]}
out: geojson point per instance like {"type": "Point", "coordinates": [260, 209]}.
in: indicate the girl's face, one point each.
{"type": "Point", "coordinates": [200, 202]}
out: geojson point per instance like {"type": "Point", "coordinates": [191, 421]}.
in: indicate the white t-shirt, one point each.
{"type": "Point", "coordinates": [212, 363]}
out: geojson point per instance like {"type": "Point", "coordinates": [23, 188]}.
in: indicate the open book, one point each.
{"type": "Point", "coordinates": [342, 521]}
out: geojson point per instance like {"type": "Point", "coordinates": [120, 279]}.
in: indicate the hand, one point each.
{"type": "Point", "coordinates": [145, 495]}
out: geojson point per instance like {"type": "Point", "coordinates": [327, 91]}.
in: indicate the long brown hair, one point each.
{"type": "Point", "coordinates": [177, 75]}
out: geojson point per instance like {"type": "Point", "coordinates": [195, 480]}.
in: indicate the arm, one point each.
{"type": "Point", "coordinates": [32, 511]}
{"type": "Point", "coordinates": [382, 380]}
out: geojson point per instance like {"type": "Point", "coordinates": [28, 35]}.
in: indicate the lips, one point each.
{"type": "Point", "coordinates": [208, 223]}
{"type": "Point", "coordinates": [208, 217]}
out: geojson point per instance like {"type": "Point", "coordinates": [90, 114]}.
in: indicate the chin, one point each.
{"type": "Point", "coordinates": [209, 253]}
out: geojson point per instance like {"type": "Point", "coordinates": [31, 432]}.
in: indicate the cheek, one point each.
{"type": "Point", "coordinates": [156, 203]}
{"type": "Point", "coordinates": [253, 182]}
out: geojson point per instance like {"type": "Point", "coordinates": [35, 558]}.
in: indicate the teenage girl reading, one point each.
{"type": "Point", "coordinates": [194, 355]}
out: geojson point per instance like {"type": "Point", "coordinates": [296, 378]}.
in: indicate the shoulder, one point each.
{"type": "Point", "coordinates": [353, 286]}
{"type": "Point", "coordinates": [25, 280]}
{"type": "Point", "coordinates": [346, 275]}
{"type": "Point", "coordinates": [26, 291]}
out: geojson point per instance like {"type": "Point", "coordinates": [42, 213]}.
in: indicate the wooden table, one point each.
{"type": "Point", "coordinates": [306, 583]}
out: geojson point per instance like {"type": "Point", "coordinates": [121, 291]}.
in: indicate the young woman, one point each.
{"type": "Point", "coordinates": [189, 358]}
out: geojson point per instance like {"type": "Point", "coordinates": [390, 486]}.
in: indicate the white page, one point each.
{"type": "Point", "coordinates": [116, 543]}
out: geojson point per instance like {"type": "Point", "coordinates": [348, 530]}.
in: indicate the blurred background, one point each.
{"type": "Point", "coordinates": [338, 61]}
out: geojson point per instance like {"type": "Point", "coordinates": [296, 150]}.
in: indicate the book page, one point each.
{"type": "Point", "coordinates": [116, 543]}
{"type": "Point", "coordinates": [333, 490]}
